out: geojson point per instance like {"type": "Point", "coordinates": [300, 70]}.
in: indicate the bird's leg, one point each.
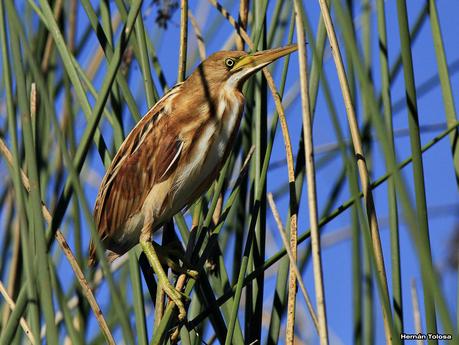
{"type": "Point", "coordinates": [166, 254]}
{"type": "Point", "coordinates": [163, 282]}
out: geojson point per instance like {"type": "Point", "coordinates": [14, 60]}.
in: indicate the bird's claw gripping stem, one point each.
{"type": "Point", "coordinates": [163, 282]}
{"type": "Point", "coordinates": [166, 252]}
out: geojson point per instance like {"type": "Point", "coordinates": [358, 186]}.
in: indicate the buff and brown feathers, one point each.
{"type": "Point", "coordinates": [163, 142]}
{"type": "Point", "coordinates": [176, 151]}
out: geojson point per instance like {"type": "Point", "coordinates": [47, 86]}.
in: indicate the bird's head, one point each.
{"type": "Point", "coordinates": [233, 68]}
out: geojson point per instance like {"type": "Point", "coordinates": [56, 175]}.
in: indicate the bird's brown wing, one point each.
{"type": "Point", "coordinates": [147, 156]}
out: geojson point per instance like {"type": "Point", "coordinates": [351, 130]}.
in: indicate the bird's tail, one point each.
{"type": "Point", "coordinates": [92, 261]}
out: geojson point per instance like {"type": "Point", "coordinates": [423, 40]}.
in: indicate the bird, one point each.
{"type": "Point", "coordinates": [172, 156]}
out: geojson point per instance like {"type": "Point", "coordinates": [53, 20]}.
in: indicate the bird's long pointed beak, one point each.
{"type": "Point", "coordinates": [255, 61]}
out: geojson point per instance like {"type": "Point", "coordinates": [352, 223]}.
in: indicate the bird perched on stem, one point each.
{"type": "Point", "coordinates": [173, 155]}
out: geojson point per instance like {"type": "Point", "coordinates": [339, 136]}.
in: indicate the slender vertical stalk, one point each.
{"type": "Point", "coordinates": [30, 287]}
{"type": "Point", "coordinates": [49, 41]}
{"type": "Point", "coordinates": [108, 50]}
{"type": "Point", "coordinates": [392, 200]}
{"type": "Point", "coordinates": [349, 66]}
{"type": "Point", "coordinates": [15, 264]}
{"type": "Point", "coordinates": [36, 220]}
{"type": "Point", "coordinates": [280, 12]}
{"type": "Point", "coordinates": [443, 73]}
{"type": "Point", "coordinates": [53, 27]}
{"type": "Point", "coordinates": [243, 18]}
{"type": "Point", "coordinates": [359, 225]}
{"type": "Point", "coordinates": [296, 270]}
{"type": "Point", "coordinates": [10, 303]}
{"type": "Point", "coordinates": [114, 92]}
{"type": "Point", "coordinates": [141, 36]}
{"type": "Point", "coordinates": [10, 328]}
{"type": "Point", "coordinates": [199, 36]}
{"type": "Point", "coordinates": [71, 327]}
{"type": "Point", "coordinates": [281, 293]}
{"type": "Point", "coordinates": [369, 298]}
{"type": "Point", "coordinates": [254, 306]}
{"type": "Point", "coordinates": [43, 273]}
{"type": "Point", "coordinates": [138, 300]}
{"type": "Point", "coordinates": [363, 171]}
{"type": "Point", "coordinates": [183, 40]}
{"type": "Point", "coordinates": [240, 283]}
{"type": "Point", "coordinates": [366, 18]}
{"type": "Point", "coordinates": [418, 169]}
{"type": "Point", "coordinates": [416, 311]}
{"type": "Point", "coordinates": [311, 179]}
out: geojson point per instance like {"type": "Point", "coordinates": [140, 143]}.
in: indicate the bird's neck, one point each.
{"type": "Point", "coordinates": [230, 104]}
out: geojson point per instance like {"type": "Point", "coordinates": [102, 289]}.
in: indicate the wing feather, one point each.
{"type": "Point", "coordinates": [148, 156]}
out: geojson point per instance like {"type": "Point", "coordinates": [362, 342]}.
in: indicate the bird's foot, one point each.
{"type": "Point", "coordinates": [174, 295]}
{"type": "Point", "coordinates": [168, 254]}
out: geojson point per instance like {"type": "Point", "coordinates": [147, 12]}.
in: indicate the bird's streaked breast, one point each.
{"type": "Point", "coordinates": [209, 148]}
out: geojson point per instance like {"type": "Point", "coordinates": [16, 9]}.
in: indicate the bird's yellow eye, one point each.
{"type": "Point", "coordinates": [229, 62]}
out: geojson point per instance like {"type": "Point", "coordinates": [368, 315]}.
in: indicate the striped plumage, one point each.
{"type": "Point", "coordinates": [169, 158]}
{"type": "Point", "coordinates": [173, 155]}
